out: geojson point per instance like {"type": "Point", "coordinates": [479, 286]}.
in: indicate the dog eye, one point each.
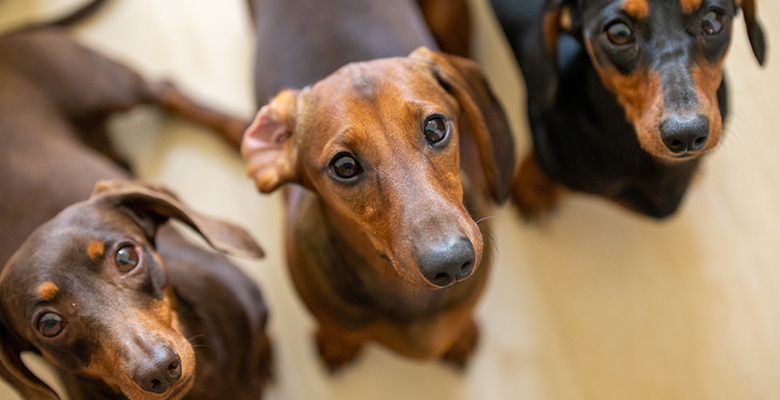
{"type": "Point", "coordinates": [345, 166]}
{"type": "Point", "coordinates": [50, 324]}
{"type": "Point", "coordinates": [712, 23]}
{"type": "Point", "coordinates": [619, 33]}
{"type": "Point", "coordinates": [126, 258]}
{"type": "Point", "coordinates": [435, 129]}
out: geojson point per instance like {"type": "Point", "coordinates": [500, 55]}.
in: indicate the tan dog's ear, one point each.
{"type": "Point", "coordinates": [486, 128]}
{"type": "Point", "coordinates": [267, 147]}
{"type": "Point", "coordinates": [13, 370]}
{"type": "Point", "coordinates": [754, 30]}
{"type": "Point", "coordinates": [152, 206]}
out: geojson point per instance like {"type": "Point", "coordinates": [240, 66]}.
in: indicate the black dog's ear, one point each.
{"type": "Point", "coordinates": [13, 370]}
{"type": "Point", "coordinates": [154, 205]}
{"type": "Point", "coordinates": [754, 30]}
{"type": "Point", "coordinates": [539, 61]}
{"type": "Point", "coordinates": [486, 129]}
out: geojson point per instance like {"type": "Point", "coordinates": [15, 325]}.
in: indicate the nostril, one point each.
{"type": "Point", "coordinates": [442, 279]}
{"type": "Point", "coordinates": [159, 372]}
{"type": "Point", "coordinates": [682, 135]}
{"type": "Point", "coordinates": [447, 261]}
{"type": "Point", "coordinates": [173, 369]}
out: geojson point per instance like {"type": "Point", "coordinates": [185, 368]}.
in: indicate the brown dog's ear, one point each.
{"type": "Point", "coordinates": [267, 147]}
{"type": "Point", "coordinates": [13, 370]}
{"type": "Point", "coordinates": [539, 61]}
{"type": "Point", "coordinates": [154, 205]}
{"type": "Point", "coordinates": [487, 126]}
{"type": "Point", "coordinates": [754, 30]}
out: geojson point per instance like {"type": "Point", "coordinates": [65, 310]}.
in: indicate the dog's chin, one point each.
{"type": "Point", "coordinates": [177, 392]}
{"type": "Point", "coordinates": [181, 388]}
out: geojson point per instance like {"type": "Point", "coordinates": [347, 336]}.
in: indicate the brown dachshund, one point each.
{"type": "Point", "coordinates": [382, 239]}
{"type": "Point", "coordinates": [118, 307]}
{"type": "Point", "coordinates": [55, 96]}
{"type": "Point", "coordinates": [624, 97]}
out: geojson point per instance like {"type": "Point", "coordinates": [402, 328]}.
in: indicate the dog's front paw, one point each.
{"type": "Point", "coordinates": [534, 194]}
{"type": "Point", "coordinates": [334, 351]}
{"type": "Point", "coordinates": [461, 351]}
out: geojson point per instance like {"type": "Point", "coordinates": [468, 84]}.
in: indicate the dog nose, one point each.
{"type": "Point", "coordinates": [685, 135]}
{"type": "Point", "coordinates": [160, 371]}
{"type": "Point", "coordinates": [448, 261]}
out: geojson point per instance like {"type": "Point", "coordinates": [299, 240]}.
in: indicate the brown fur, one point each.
{"type": "Point", "coordinates": [450, 24]}
{"type": "Point", "coordinates": [345, 241]}
{"type": "Point", "coordinates": [532, 190]}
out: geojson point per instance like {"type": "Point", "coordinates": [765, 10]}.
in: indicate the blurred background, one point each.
{"type": "Point", "coordinates": [593, 303]}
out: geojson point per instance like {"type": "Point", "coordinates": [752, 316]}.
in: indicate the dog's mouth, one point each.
{"type": "Point", "coordinates": [181, 388]}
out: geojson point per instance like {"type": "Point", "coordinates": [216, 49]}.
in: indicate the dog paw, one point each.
{"type": "Point", "coordinates": [533, 193]}
{"type": "Point", "coordinates": [460, 353]}
{"type": "Point", "coordinates": [334, 352]}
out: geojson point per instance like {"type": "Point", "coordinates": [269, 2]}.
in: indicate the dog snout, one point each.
{"type": "Point", "coordinates": [159, 372]}
{"type": "Point", "coordinates": [683, 135]}
{"type": "Point", "coordinates": [448, 261]}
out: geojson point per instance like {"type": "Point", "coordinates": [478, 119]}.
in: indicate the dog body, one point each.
{"type": "Point", "coordinates": [55, 96]}
{"type": "Point", "coordinates": [623, 96]}
{"type": "Point", "coordinates": [379, 223]}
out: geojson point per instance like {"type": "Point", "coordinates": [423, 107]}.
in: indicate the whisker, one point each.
{"type": "Point", "coordinates": [482, 219]}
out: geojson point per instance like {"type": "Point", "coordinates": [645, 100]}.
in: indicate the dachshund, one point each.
{"type": "Point", "coordinates": [624, 96]}
{"type": "Point", "coordinates": [381, 227]}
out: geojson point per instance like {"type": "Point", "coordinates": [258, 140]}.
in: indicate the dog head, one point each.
{"type": "Point", "coordinates": [663, 60]}
{"type": "Point", "coordinates": [89, 292]}
{"type": "Point", "coordinates": [382, 143]}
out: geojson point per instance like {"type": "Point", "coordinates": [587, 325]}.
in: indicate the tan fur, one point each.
{"type": "Point", "coordinates": [689, 6]}
{"type": "Point", "coordinates": [161, 321]}
{"type": "Point", "coordinates": [642, 100]}
{"type": "Point", "coordinates": [47, 291]}
{"type": "Point", "coordinates": [707, 78]}
{"type": "Point", "coordinates": [532, 190]}
{"type": "Point", "coordinates": [550, 28]}
{"type": "Point", "coordinates": [638, 9]}
{"type": "Point", "coordinates": [95, 249]}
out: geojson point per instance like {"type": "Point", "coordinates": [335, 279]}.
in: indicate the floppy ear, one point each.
{"type": "Point", "coordinates": [539, 61]}
{"type": "Point", "coordinates": [267, 146]}
{"type": "Point", "coordinates": [154, 205]}
{"type": "Point", "coordinates": [13, 370]}
{"type": "Point", "coordinates": [754, 30]}
{"type": "Point", "coordinates": [487, 127]}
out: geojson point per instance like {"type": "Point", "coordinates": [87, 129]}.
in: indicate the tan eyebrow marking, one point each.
{"type": "Point", "coordinates": [638, 9]}
{"type": "Point", "coordinates": [689, 6]}
{"type": "Point", "coordinates": [95, 249]}
{"type": "Point", "coordinates": [47, 291]}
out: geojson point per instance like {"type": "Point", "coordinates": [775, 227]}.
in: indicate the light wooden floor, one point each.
{"type": "Point", "coordinates": [594, 304]}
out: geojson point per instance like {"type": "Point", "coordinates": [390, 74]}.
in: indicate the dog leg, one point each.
{"type": "Point", "coordinates": [460, 353]}
{"type": "Point", "coordinates": [450, 24]}
{"type": "Point", "coordinates": [165, 94]}
{"type": "Point", "coordinates": [335, 351]}
{"type": "Point", "coordinates": [533, 192]}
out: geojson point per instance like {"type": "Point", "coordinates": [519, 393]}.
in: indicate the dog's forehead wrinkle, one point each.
{"type": "Point", "coordinates": [362, 83]}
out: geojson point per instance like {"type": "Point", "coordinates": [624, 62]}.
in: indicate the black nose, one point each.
{"type": "Point", "coordinates": [685, 135]}
{"type": "Point", "coordinates": [158, 373]}
{"type": "Point", "coordinates": [448, 261]}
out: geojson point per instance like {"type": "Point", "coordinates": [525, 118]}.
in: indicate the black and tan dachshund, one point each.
{"type": "Point", "coordinates": [624, 96]}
